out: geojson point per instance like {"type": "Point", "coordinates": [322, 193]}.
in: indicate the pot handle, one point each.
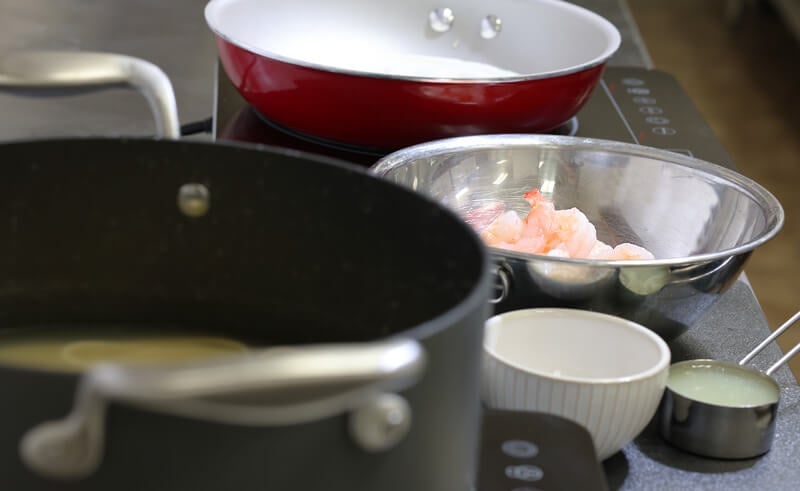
{"type": "Point", "coordinates": [77, 72]}
{"type": "Point", "coordinates": [502, 284]}
{"type": "Point", "coordinates": [273, 387]}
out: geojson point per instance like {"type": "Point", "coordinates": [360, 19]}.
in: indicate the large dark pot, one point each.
{"type": "Point", "coordinates": [381, 293]}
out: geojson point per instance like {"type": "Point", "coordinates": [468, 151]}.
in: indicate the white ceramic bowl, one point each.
{"type": "Point", "coordinates": [604, 372]}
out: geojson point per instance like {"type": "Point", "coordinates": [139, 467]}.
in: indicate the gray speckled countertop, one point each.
{"type": "Point", "coordinates": [649, 463]}
{"type": "Point", "coordinates": [734, 326]}
{"type": "Point", "coordinates": [174, 36]}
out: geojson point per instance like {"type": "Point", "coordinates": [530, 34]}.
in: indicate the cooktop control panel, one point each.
{"type": "Point", "coordinates": [524, 451]}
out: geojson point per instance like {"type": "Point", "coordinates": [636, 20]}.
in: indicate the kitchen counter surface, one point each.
{"type": "Point", "coordinates": [729, 331]}
{"type": "Point", "coordinates": [174, 36]}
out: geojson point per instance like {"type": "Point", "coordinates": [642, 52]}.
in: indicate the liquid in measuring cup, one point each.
{"type": "Point", "coordinates": [722, 384]}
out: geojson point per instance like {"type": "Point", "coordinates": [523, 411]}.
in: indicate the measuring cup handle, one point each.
{"type": "Point", "coordinates": [786, 325]}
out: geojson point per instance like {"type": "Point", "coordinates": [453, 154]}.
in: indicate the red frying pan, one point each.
{"type": "Point", "coordinates": [391, 74]}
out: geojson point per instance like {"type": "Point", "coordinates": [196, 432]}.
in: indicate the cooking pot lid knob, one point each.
{"type": "Point", "coordinates": [381, 423]}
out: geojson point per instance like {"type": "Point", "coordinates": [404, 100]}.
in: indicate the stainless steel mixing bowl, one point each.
{"type": "Point", "coordinates": [700, 220]}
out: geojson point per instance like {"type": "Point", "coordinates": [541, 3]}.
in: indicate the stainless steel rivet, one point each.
{"type": "Point", "coordinates": [491, 25]}
{"type": "Point", "coordinates": [394, 417]}
{"type": "Point", "coordinates": [194, 199]}
{"type": "Point", "coordinates": [441, 19]}
{"type": "Point", "coordinates": [381, 423]}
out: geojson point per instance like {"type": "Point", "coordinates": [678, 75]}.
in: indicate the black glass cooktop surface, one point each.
{"type": "Point", "coordinates": [630, 104]}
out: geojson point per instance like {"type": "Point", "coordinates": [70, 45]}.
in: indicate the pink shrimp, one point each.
{"type": "Point", "coordinates": [556, 233]}
{"type": "Point", "coordinates": [629, 251]}
{"type": "Point", "coordinates": [572, 233]}
{"type": "Point", "coordinates": [540, 218]}
{"type": "Point", "coordinates": [528, 244]}
{"type": "Point", "coordinates": [505, 228]}
{"type": "Point", "coordinates": [601, 250]}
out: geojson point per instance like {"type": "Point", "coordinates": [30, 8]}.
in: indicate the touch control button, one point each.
{"type": "Point", "coordinates": [634, 82]}
{"type": "Point", "coordinates": [520, 449]}
{"type": "Point", "coordinates": [525, 472]}
{"type": "Point", "coordinates": [664, 130]}
{"type": "Point", "coordinates": [651, 110]}
{"type": "Point", "coordinates": [657, 120]}
{"type": "Point", "coordinates": [644, 100]}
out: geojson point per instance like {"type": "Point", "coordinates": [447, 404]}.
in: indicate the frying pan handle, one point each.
{"type": "Point", "coordinates": [76, 72]}
{"type": "Point", "coordinates": [273, 387]}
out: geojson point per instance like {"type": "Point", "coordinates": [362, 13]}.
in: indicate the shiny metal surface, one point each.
{"type": "Point", "coordinates": [194, 199]}
{"type": "Point", "coordinates": [357, 37]}
{"type": "Point", "coordinates": [65, 72]}
{"type": "Point", "coordinates": [380, 424]}
{"type": "Point", "coordinates": [772, 337]}
{"type": "Point", "coordinates": [718, 431]}
{"type": "Point", "coordinates": [700, 220]}
{"type": "Point", "coordinates": [171, 35]}
{"type": "Point", "coordinates": [277, 386]}
{"type": "Point", "coordinates": [739, 432]}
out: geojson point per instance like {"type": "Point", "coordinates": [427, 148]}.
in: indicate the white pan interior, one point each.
{"type": "Point", "coordinates": [537, 38]}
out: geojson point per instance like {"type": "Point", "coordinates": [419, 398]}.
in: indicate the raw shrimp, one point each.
{"type": "Point", "coordinates": [630, 251]}
{"type": "Point", "coordinates": [505, 228]}
{"type": "Point", "coordinates": [529, 244]}
{"type": "Point", "coordinates": [556, 233]}
{"type": "Point", "coordinates": [572, 233]}
{"type": "Point", "coordinates": [539, 221]}
{"type": "Point", "coordinates": [601, 250]}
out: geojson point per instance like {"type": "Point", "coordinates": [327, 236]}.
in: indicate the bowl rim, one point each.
{"type": "Point", "coordinates": [661, 366]}
{"type": "Point", "coordinates": [214, 8]}
{"type": "Point", "coordinates": [773, 211]}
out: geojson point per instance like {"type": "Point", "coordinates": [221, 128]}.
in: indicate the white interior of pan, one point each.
{"type": "Point", "coordinates": [537, 38]}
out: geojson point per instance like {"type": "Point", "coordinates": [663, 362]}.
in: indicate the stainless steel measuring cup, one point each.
{"type": "Point", "coordinates": [721, 409]}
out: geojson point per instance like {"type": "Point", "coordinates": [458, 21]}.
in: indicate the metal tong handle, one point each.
{"type": "Point", "coordinates": [272, 387]}
{"type": "Point", "coordinates": [77, 72]}
{"type": "Point", "coordinates": [786, 325]}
